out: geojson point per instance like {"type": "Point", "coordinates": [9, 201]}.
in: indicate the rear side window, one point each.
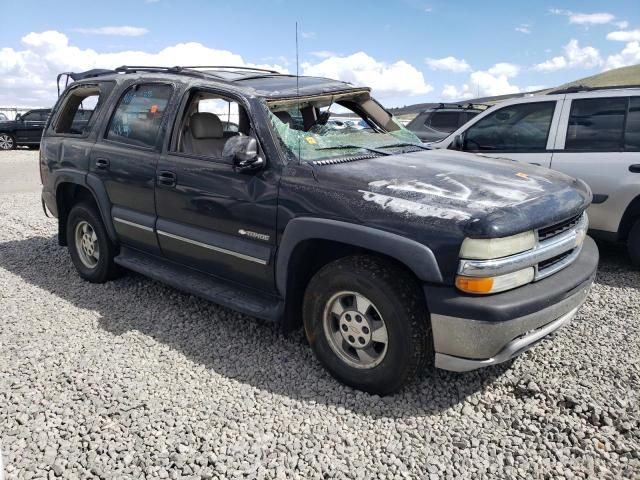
{"type": "Point", "coordinates": [77, 110]}
{"type": "Point", "coordinates": [443, 121]}
{"type": "Point", "coordinates": [596, 124]}
{"type": "Point", "coordinates": [139, 114]}
{"type": "Point", "coordinates": [632, 130]}
{"type": "Point", "coordinates": [522, 127]}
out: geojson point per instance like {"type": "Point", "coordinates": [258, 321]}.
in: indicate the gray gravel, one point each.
{"type": "Point", "coordinates": [133, 379]}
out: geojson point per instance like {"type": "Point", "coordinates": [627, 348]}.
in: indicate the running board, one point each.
{"type": "Point", "coordinates": [202, 285]}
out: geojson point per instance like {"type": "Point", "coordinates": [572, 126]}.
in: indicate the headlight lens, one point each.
{"type": "Point", "coordinates": [500, 283]}
{"type": "Point", "coordinates": [489, 248]}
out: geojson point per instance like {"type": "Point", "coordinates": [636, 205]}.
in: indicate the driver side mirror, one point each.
{"type": "Point", "coordinates": [458, 142]}
{"type": "Point", "coordinates": [242, 153]}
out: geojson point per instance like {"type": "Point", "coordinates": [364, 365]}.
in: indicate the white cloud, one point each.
{"type": "Point", "coordinates": [574, 57]}
{"type": "Point", "coordinates": [622, 25]}
{"type": "Point", "coordinates": [585, 18]}
{"type": "Point", "coordinates": [27, 75]}
{"type": "Point", "coordinates": [324, 54]}
{"type": "Point", "coordinates": [485, 83]}
{"type": "Point", "coordinates": [428, 9]}
{"type": "Point", "coordinates": [385, 79]}
{"type": "Point", "coordinates": [523, 28]}
{"type": "Point", "coordinates": [309, 35]}
{"type": "Point", "coordinates": [123, 31]}
{"type": "Point", "coordinates": [630, 55]}
{"type": "Point", "coordinates": [451, 64]}
{"type": "Point", "coordinates": [624, 36]}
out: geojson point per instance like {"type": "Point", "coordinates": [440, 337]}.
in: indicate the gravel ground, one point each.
{"type": "Point", "coordinates": [134, 379]}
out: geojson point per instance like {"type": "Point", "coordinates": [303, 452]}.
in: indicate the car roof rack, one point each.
{"type": "Point", "coordinates": [586, 88]}
{"type": "Point", "coordinates": [464, 106]}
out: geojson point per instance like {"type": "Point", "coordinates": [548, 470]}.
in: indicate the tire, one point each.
{"type": "Point", "coordinates": [348, 337]}
{"type": "Point", "coordinates": [91, 250]}
{"type": "Point", "coordinates": [33, 147]}
{"type": "Point", "coordinates": [633, 243]}
{"type": "Point", "coordinates": [7, 142]}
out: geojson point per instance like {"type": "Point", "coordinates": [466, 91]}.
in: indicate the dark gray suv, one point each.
{"type": "Point", "coordinates": [438, 121]}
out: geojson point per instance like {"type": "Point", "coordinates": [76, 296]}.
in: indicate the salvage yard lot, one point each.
{"type": "Point", "coordinates": [133, 379]}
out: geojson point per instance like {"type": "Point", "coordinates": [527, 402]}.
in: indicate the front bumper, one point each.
{"type": "Point", "coordinates": [471, 332]}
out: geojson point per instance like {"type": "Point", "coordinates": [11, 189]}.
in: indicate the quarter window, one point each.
{"type": "Point", "coordinates": [517, 128]}
{"type": "Point", "coordinates": [596, 124]}
{"type": "Point", "coordinates": [77, 110]}
{"type": "Point", "coordinates": [632, 130]}
{"type": "Point", "coordinates": [443, 121]}
{"type": "Point", "coordinates": [139, 114]}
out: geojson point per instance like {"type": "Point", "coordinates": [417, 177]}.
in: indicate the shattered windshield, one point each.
{"type": "Point", "coordinates": [328, 128]}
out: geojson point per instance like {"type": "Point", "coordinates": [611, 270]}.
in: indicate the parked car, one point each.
{"type": "Point", "coordinates": [437, 122]}
{"type": "Point", "coordinates": [25, 130]}
{"type": "Point", "coordinates": [392, 255]}
{"type": "Point", "coordinates": [590, 134]}
{"type": "Point", "coordinates": [3, 117]}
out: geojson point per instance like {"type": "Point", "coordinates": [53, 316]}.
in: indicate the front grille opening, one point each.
{"type": "Point", "coordinates": [558, 228]}
{"type": "Point", "coordinates": [550, 262]}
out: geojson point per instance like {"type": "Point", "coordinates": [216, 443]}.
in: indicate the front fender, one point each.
{"type": "Point", "coordinates": [414, 255]}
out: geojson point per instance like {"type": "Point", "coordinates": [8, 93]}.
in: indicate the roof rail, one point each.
{"type": "Point", "coordinates": [226, 67]}
{"type": "Point", "coordinates": [586, 88]}
{"type": "Point", "coordinates": [75, 76]}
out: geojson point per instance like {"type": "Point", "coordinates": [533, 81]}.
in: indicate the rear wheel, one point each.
{"type": "Point", "coordinates": [633, 243]}
{"type": "Point", "coordinates": [367, 322]}
{"type": "Point", "coordinates": [92, 252]}
{"type": "Point", "coordinates": [7, 142]}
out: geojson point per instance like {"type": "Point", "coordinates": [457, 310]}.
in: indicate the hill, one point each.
{"type": "Point", "coordinates": [623, 77]}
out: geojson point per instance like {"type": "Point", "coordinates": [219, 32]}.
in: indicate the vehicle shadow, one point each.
{"type": "Point", "coordinates": [615, 269]}
{"type": "Point", "coordinates": [230, 344]}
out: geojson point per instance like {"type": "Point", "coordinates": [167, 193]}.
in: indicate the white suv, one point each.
{"type": "Point", "coordinates": [593, 135]}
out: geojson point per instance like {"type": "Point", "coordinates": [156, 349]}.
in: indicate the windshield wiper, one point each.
{"type": "Point", "coordinates": [346, 147]}
{"type": "Point", "coordinates": [405, 144]}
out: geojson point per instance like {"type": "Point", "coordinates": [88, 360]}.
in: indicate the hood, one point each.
{"type": "Point", "coordinates": [455, 191]}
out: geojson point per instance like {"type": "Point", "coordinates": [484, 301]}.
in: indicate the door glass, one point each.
{"type": "Point", "coordinates": [137, 119]}
{"type": "Point", "coordinates": [516, 128]}
{"type": "Point", "coordinates": [31, 117]}
{"type": "Point", "coordinates": [632, 131]}
{"type": "Point", "coordinates": [596, 124]}
{"type": "Point", "coordinates": [444, 121]}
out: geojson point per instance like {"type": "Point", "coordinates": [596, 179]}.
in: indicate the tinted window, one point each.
{"type": "Point", "coordinates": [632, 131]}
{"type": "Point", "coordinates": [137, 118]}
{"type": "Point", "coordinates": [31, 116]}
{"type": "Point", "coordinates": [596, 124]}
{"type": "Point", "coordinates": [523, 127]}
{"type": "Point", "coordinates": [443, 121]}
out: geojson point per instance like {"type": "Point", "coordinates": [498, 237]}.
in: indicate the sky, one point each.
{"type": "Point", "coordinates": [407, 51]}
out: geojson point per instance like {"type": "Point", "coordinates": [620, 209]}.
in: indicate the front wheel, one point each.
{"type": "Point", "coordinates": [7, 142]}
{"type": "Point", "coordinates": [92, 252]}
{"type": "Point", "coordinates": [633, 244]}
{"type": "Point", "coordinates": [367, 322]}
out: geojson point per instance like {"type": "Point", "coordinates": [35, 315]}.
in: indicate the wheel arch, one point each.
{"type": "Point", "coordinates": [310, 243]}
{"type": "Point", "coordinates": [631, 213]}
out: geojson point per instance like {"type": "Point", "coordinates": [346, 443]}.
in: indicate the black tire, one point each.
{"type": "Point", "coordinates": [633, 244]}
{"type": "Point", "coordinates": [33, 147]}
{"type": "Point", "coordinates": [7, 141]}
{"type": "Point", "coordinates": [401, 304]}
{"type": "Point", "coordinates": [104, 269]}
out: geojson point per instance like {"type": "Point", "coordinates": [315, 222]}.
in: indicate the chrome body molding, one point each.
{"type": "Point", "coordinates": [569, 242]}
{"type": "Point", "coordinates": [132, 224]}
{"type": "Point", "coordinates": [214, 248]}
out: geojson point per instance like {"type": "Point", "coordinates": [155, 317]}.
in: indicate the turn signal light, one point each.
{"type": "Point", "coordinates": [474, 284]}
{"type": "Point", "coordinates": [500, 283]}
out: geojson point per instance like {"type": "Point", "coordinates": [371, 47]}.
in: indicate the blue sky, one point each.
{"type": "Point", "coordinates": [396, 47]}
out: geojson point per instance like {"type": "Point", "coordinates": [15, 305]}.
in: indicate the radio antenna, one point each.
{"type": "Point", "coordinates": [298, 92]}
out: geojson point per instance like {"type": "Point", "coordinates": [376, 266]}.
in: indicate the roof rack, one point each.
{"type": "Point", "coordinates": [224, 67]}
{"type": "Point", "coordinates": [585, 88]}
{"type": "Point", "coordinates": [466, 106]}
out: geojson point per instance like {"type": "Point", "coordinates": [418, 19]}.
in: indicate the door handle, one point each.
{"type": "Point", "coordinates": [102, 163]}
{"type": "Point", "coordinates": [634, 168]}
{"type": "Point", "coordinates": [167, 179]}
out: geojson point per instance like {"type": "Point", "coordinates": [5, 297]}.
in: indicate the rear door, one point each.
{"type": "Point", "coordinates": [523, 131]}
{"type": "Point", "coordinates": [30, 126]}
{"type": "Point", "coordinates": [599, 142]}
{"type": "Point", "coordinates": [125, 157]}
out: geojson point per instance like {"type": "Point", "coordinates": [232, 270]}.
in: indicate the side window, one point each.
{"type": "Point", "coordinates": [77, 110]}
{"type": "Point", "coordinates": [596, 124]}
{"type": "Point", "coordinates": [517, 128]}
{"type": "Point", "coordinates": [209, 123]}
{"type": "Point", "coordinates": [632, 131]}
{"type": "Point", "coordinates": [137, 118]}
{"type": "Point", "coordinates": [443, 121]}
{"type": "Point", "coordinates": [30, 117]}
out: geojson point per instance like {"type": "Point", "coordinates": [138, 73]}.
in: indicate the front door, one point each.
{"type": "Point", "coordinates": [211, 217]}
{"type": "Point", "coordinates": [125, 157]}
{"type": "Point", "coordinates": [31, 126]}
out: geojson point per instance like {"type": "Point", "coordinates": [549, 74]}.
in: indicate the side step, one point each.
{"type": "Point", "coordinates": [202, 285]}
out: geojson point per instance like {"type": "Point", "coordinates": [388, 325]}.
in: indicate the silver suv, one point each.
{"type": "Point", "coordinates": [590, 134]}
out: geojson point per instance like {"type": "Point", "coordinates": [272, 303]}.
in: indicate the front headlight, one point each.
{"type": "Point", "coordinates": [499, 283]}
{"type": "Point", "coordinates": [489, 248]}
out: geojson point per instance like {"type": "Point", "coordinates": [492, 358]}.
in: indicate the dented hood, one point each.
{"type": "Point", "coordinates": [473, 195]}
